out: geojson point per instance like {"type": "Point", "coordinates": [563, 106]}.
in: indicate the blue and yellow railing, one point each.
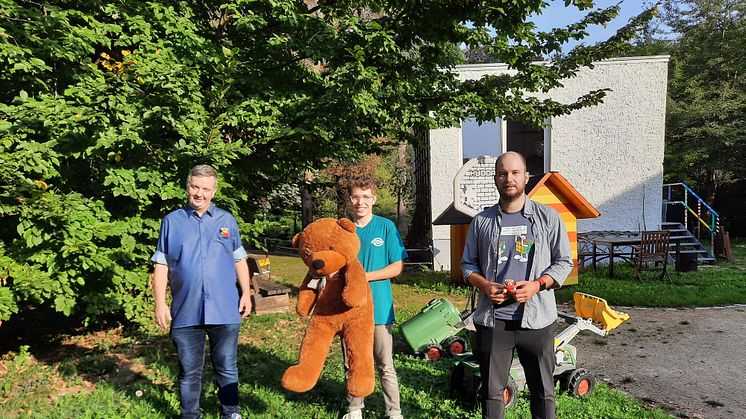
{"type": "Point", "coordinates": [704, 215]}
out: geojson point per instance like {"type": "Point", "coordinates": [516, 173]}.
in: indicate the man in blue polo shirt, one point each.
{"type": "Point", "coordinates": [200, 255]}
{"type": "Point", "coordinates": [382, 254]}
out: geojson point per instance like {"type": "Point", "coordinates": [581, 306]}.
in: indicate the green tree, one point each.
{"type": "Point", "coordinates": [706, 128]}
{"type": "Point", "coordinates": [105, 104]}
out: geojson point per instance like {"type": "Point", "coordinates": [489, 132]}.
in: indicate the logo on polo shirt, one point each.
{"type": "Point", "coordinates": [225, 232]}
{"type": "Point", "coordinates": [377, 242]}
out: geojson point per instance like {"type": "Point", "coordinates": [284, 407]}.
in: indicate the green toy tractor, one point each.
{"type": "Point", "coordinates": [433, 332]}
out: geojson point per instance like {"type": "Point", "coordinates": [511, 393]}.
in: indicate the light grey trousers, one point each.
{"type": "Point", "coordinates": [383, 348]}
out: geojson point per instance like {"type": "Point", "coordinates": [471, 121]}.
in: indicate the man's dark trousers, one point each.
{"type": "Point", "coordinates": [535, 348]}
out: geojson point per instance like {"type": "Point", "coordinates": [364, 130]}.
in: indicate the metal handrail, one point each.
{"type": "Point", "coordinates": [709, 227]}
{"type": "Point", "coordinates": [714, 216]}
{"type": "Point", "coordinates": [715, 213]}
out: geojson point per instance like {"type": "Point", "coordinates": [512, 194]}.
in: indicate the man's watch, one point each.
{"type": "Point", "coordinates": [542, 284]}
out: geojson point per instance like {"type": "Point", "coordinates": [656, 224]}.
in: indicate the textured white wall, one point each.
{"type": "Point", "coordinates": [445, 160]}
{"type": "Point", "coordinates": [611, 153]}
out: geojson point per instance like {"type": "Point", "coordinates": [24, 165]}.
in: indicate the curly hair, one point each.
{"type": "Point", "coordinates": [364, 182]}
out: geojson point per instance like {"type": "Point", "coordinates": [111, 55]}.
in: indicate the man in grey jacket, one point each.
{"type": "Point", "coordinates": [516, 253]}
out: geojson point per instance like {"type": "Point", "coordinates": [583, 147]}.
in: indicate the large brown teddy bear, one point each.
{"type": "Point", "coordinates": [336, 290]}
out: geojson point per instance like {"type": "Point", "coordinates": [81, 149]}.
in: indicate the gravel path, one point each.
{"type": "Point", "coordinates": [690, 362]}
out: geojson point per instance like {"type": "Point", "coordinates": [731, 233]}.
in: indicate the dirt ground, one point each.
{"type": "Point", "coordinates": [690, 362]}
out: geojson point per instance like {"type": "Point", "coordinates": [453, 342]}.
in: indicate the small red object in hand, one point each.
{"type": "Point", "coordinates": [509, 285]}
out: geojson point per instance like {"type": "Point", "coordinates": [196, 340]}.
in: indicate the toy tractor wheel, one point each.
{"type": "Point", "coordinates": [510, 394]}
{"type": "Point", "coordinates": [455, 345]}
{"type": "Point", "coordinates": [457, 378]}
{"type": "Point", "coordinates": [465, 386]}
{"type": "Point", "coordinates": [580, 383]}
{"type": "Point", "coordinates": [433, 352]}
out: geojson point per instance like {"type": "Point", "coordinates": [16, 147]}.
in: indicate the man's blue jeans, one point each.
{"type": "Point", "coordinates": [190, 348]}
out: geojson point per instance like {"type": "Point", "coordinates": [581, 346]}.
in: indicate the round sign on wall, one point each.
{"type": "Point", "coordinates": [474, 186]}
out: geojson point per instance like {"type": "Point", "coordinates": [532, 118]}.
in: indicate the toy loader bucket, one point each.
{"type": "Point", "coordinates": [591, 307]}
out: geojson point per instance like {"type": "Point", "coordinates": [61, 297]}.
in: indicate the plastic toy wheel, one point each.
{"type": "Point", "coordinates": [457, 378]}
{"type": "Point", "coordinates": [465, 386]}
{"type": "Point", "coordinates": [455, 345]}
{"type": "Point", "coordinates": [580, 383]}
{"type": "Point", "coordinates": [510, 394]}
{"type": "Point", "coordinates": [433, 352]}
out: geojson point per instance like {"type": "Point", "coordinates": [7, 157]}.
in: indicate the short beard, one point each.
{"type": "Point", "coordinates": [504, 197]}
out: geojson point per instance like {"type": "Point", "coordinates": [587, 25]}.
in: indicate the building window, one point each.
{"type": "Point", "coordinates": [492, 138]}
{"type": "Point", "coordinates": [528, 141]}
{"type": "Point", "coordinates": [480, 139]}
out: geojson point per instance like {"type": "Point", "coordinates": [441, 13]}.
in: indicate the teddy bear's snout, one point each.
{"type": "Point", "coordinates": [325, 262]}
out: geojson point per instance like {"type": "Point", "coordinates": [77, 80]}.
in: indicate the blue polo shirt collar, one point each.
{"type": "Point", "coordinates": [191, 211]}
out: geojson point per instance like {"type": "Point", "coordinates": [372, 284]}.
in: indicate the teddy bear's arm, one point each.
{"type": "Point", "coordinates": [306, 298]}
{"type": "Point", "coordinates": [356, 288]}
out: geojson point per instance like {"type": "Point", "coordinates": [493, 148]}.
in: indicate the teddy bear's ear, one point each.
{"type": "Point", "coordinates": [346, 224]}
{"type": "Point", "coordinates": [296, 240]}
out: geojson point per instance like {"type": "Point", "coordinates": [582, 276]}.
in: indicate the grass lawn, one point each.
{"type": "Point", "coordinates": [120, 373]}
{"type": "Point", "coordinates": [721, 284]}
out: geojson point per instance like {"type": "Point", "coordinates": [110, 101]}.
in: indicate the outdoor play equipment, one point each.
{"type": "Point", "coordinates": [432, 333]}
{"type": "Point", "coordinates": [591, 313]}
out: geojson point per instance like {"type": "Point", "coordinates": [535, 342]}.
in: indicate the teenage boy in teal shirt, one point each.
{"type": "Point", "coordinates": [382, 254]}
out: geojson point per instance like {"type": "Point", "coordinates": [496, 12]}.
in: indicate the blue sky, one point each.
{"type": "Point", "coordinates": [557, 15]}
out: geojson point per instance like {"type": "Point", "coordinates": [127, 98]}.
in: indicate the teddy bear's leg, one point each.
{"type": "Point", "coordinates": [313, 351]}
{"type": "Point", "coordinates": [358, 344]}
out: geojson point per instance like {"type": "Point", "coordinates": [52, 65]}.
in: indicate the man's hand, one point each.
{"type": "Point", "coordinates": [495, 292]}
{"type": "Point", "coordinates": [524, 290]}
{"type": "Point", "coordinates": [244, 305]}
{"type": "Point", "coordinates": [162, 316]}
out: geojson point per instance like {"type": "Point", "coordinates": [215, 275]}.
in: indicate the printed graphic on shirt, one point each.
{"type": "Point", "coordinates": [513, 261]}
{"type": "Point", "coordinates": [522, 248]}
{"type": "Point", "coordinates": [225, 232]}
{"type": "Point", "coordinates": [377, 242]}
{"type": "Point", "coordinates": [501, 257]}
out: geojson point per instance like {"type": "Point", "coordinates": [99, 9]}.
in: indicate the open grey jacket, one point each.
{"type": "Point", "coordinates": [551, 257]}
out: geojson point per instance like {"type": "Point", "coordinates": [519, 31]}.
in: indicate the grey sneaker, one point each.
{"type": "Point", "coordinates": [355, 414]}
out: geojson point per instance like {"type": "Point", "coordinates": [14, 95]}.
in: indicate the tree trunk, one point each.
{"type": "Point", "coordinates": [403, 169]}
{"type": "Point", "coordinates": [306, 199]}
{"type": "Point", "coordinates": [341, 198]}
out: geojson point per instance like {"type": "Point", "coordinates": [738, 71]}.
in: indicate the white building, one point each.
{"type": "Point", "coordinates": [611, 153]}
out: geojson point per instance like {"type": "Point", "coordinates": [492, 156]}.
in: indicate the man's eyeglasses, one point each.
{"type": "Point", "coordinates": [361, 198]}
